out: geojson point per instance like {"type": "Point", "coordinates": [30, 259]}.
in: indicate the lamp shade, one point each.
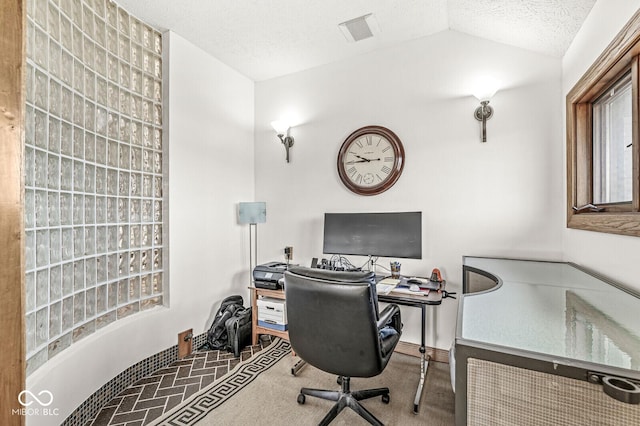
{"type": "Point", "coordinates": [485, 88]}
{"type": "Point", "coordinates": [280, 126]}
{"type": "Point", "coordinates": [254, 212]}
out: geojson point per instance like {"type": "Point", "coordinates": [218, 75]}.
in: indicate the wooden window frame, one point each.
{"type": "Point", "coordinates": [622, 55]}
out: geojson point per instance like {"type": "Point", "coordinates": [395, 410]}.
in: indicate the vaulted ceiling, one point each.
{"type": "Point", "coordinates": [264, 39]}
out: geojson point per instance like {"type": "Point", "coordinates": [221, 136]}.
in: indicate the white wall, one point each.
{"type": "Point", "coordinates": [500, 198]}
{"type": "Point", "coordinates": [615, 256]}
{"type": "Point", "coordinates": [210, 129]}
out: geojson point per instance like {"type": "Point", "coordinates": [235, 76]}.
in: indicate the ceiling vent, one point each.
{"type": "Point", "coordinates": [359, 28]}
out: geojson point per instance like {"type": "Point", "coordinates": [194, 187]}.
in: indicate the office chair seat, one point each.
{"type": "Point", "coordinates": [335, 325]}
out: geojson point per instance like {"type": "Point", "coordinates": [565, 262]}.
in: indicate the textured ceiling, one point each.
{"type": "Point", "coordinates": [545, 26]}
{"type": "Point", "coordinates": [264, 39]}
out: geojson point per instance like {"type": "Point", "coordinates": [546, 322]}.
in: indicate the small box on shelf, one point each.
{"type": "Point", "coordinates": [272, 313]}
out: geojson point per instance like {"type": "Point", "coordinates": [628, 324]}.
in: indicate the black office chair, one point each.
{"type": "Point", "coordinates": [334, 325]}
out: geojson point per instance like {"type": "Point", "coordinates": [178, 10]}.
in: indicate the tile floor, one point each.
{"type": "Point", "coordinates": [150, 397]}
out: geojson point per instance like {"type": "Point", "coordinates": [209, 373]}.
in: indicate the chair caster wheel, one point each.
{"type": "Point", "coordinates": [385, 398]}
{"type": "Point", "coordinates": [301, 398]}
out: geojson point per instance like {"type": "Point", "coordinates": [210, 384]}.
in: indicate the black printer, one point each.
{"type": "Point", "coordinates": [269, 275]}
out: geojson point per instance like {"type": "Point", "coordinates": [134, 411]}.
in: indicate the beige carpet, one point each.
{"type": "Point", "coordinates": [271, 398]}
{"type": "Point", "coordinates": [262, 391]}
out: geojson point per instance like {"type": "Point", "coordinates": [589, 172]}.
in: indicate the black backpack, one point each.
{"type": "Point", "coordinates": [231, 327]}
{"type": "Point", "coordinates": [238, 330]}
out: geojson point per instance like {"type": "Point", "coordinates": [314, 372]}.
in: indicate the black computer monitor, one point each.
{"type": "Point", "coordinates": [374, 234]}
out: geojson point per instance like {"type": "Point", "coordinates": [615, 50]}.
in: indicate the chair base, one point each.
{"type": "Point", "coordinates": [346, 398]}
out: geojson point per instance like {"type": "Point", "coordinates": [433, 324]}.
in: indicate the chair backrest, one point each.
{"type": "Point", "coordinates": [332, 319]}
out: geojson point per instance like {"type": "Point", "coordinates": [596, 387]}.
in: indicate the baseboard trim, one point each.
{"type": "Point", "coordinates": [413, 349]}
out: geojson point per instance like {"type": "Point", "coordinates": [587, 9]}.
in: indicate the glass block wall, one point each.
{"type": "Point", "coordinates": [93, 171]}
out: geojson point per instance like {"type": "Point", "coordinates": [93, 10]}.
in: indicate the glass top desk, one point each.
{"type": "Point", "coordinates": [551, 317]}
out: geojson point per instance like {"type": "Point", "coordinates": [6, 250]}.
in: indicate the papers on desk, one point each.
{"type": "Point", "coordinates": [387, 285]}
{"type": "Point", "coordinates": [424, 283]}
{"type": "Point", "coordinates": [400, 285]}
{"type": "Point", "coordinates": [406, 290]}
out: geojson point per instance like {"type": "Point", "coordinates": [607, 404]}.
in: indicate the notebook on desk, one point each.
{"type": "Point", "coordinates": [386, 285]}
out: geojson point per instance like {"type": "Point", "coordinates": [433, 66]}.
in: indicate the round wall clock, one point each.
{"type": "Point", "coordinates": [370, 160]}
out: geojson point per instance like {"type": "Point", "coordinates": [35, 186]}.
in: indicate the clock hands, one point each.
{"type": "Point", "coordinates": [363, 160]}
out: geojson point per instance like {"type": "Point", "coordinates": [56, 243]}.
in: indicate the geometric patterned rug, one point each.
{"type": "Point", "coordinates": [206, 400]}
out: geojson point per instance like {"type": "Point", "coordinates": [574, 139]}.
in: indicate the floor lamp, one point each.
{"type": "Point", "coordinates": [253, 214]}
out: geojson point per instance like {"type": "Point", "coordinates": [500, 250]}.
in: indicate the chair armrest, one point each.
{"type": "Point", "coordinates": [390, 313]}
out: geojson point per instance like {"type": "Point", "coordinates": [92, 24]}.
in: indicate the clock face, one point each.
{"type": "Point", "coordinates": [370, 160]}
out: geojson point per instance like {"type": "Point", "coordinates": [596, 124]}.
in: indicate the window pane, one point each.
{"type": "Point", "coordinates": [612, 129]}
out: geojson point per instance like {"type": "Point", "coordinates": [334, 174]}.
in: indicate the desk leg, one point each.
{"type": "Point", "coordinates": [424, 362]}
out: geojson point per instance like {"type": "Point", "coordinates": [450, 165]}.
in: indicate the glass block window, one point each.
{"type": "Point", "coordinates": [93, 171]}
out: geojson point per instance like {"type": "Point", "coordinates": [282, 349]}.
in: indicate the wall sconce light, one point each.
{"type": "Point", "coordinates": [484, 111]}
{"type": "Point", "coordinates": [282, 130]}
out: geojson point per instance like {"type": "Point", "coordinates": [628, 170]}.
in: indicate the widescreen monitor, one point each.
{"type": "Point", "coordinates": [397, 235]}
